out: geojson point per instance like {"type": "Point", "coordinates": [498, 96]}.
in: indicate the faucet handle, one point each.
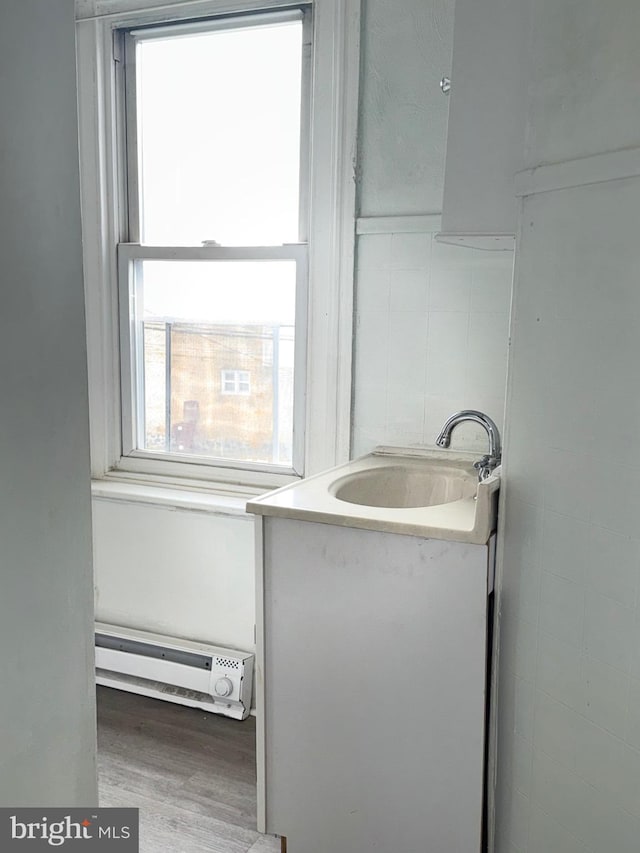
{"type": "Point", "coordinates": [485, 466]}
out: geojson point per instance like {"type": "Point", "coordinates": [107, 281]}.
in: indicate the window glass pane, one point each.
{"type": "Point", "coordinates": [219, 136]}
{"type": "Point", "coordinates": [203, 330]}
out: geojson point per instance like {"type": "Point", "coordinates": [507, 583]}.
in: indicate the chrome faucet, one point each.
{"type": "Point", "coordinates": [483, 466]}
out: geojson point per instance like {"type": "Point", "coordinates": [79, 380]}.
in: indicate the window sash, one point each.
{"type": "Point", "coordinates": [128, 40]}
{"type": "Point", "coordinates": [131, 352]}
{"type": "Point", "coordinates": [131, 250]}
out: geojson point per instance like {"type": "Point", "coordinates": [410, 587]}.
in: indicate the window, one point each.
{"type": "Point", "coordinates": [215, 163]}
{"type": "Point", "coordinates": [236, 382]}
{"type": "Point", "coordinates": [219, 262]}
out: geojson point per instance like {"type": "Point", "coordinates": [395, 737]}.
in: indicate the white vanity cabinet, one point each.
{"type": "Point", "coordinates": [486, 129]}
{"type": "Point", "coordinates": [372, 656]}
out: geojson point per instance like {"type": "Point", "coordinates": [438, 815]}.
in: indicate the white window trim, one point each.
{"type": "Point", "coordinates": [332, 230]}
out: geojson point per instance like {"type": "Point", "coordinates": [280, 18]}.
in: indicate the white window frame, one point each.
{"type": "Point", "coordinates": [325, 316]}
{"type": "Point", "coordinates": [132, 368]}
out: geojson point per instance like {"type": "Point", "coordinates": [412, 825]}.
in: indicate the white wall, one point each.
{"type": "Point", "coordinates": [585, 98]}
{"type": "Point", "coordinates": [569, 703]}
{"type": "Point", "coordinates": [182, 573]}
{"type": "Point", "coordinates": [47, 712]}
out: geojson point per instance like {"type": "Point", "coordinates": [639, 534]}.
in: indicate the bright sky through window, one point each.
{"type": "Point", "coordinates": [253, 292]}
{"type": "Point", "coordinates": [219, 136]}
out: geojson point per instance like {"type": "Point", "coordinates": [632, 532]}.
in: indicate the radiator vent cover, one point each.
{"type": "Point", "coordinates": [228, 663]}
{"type": "Point", "coordinates": [188, 673]}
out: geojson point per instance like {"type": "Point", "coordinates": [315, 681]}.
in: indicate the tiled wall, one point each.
{"type": "Point", "coordinates": [431, 337]}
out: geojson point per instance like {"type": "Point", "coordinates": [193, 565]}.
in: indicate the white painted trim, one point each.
{"type": "Point", "coordinates": [332, 233]}
{"type": "Point", "coordinates": [258, 683]}
{"type": "Point", "coordinates": [424, 223]}
{"type": "Point", "coordinates": [486, 242]}
{"type": "Point", "coordinates": [146, 468]}
{"type": "Point", "coordinates": [493, 755]}
{"type": "Point", "coordinates": [170, 10]}
{"type": "Point", "coordinates": [287, 252]}
{"type": "Point", "coordinates": [181, 29]}
{"type": "Point", "coordinates": [599, 168]}
{"type": "Point", "coordinates": [98, 179]}
{"type": "Point", "coordinates": [332, 236]}
{"type": "Point", "coordinates": [159, 495]}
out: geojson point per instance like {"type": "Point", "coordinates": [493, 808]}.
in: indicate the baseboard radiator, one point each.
{"type": "Point", "coordinates": [201, 676]}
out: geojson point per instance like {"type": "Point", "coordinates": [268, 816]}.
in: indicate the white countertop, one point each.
{"type": "Point", "coordinates": [468, 519]}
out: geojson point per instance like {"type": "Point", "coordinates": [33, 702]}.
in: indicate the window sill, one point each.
{"type": "Point", "coordinates": [186, 496]}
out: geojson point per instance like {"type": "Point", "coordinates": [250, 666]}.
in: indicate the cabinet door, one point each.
{"type": "Point", "coordinates": [374, 690]}
{"type": "Point", "coordinates": [485, 140]}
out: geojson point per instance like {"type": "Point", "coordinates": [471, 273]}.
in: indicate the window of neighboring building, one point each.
{"type": "Point", "coordinates": [236, 382]}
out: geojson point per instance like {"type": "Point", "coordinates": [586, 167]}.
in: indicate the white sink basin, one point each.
{"type": "Point", "coordinates": [406, 485]}
{"type": "Point", "coordinates": [429, 493]}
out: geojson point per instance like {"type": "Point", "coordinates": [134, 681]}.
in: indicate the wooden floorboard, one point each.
{"type": "Point", "coordinates": [191, 774]}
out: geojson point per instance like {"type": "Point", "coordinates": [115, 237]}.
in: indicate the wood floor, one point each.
{"type": "Point", "coordinates": [191, 774]}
